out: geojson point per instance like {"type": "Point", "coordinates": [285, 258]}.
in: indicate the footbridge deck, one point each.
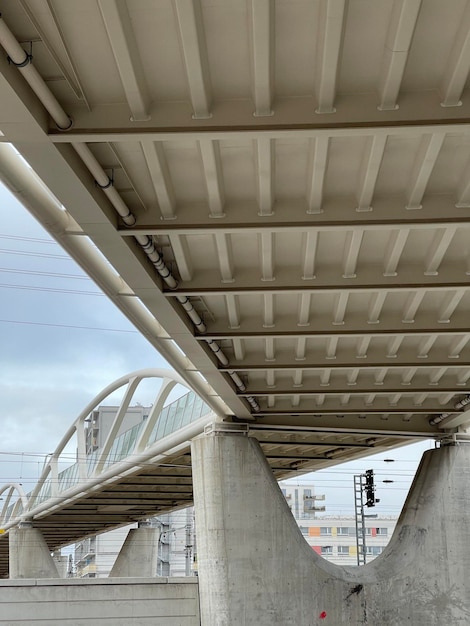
{"type": "Point", "coordinates": [145, 470]}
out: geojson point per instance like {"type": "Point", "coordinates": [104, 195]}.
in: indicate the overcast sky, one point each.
{"type": "Point", "coordinates": [62, 342]}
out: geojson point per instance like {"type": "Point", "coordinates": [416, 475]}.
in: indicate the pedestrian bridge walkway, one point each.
{"type": "Point", "coordinates": [140, 471]}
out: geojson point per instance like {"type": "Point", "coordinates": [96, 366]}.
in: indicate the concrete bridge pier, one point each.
{"type": "Point", "coordinates": [138, 555]}
{"type": "Point", "coordinates": [29, 554]}
{"type": "Point", "coordinates": [255, 567]}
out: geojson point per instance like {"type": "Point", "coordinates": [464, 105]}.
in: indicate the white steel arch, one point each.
{"type": "Point", "coordinates": [55, 487]}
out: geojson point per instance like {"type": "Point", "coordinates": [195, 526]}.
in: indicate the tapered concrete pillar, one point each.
{"type": "Point", "coordinates": [29, 555]}
{"type": "Point", "coordinates": [255, 567]}
{"type": "Point", "coordinates": [138, 555]}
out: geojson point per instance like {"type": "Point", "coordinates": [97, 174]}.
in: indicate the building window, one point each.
{"type": "Point", "coordinates": [343, 530]}
{"type": "Point", "coordinates": [374, 550]}
{"type": "Point", "coordinates": [382, 531]}
{"type": "Point", "coordinates": [343, 550]}
{"type": "Point", "coordinates": [304, 530]}
{"type": "Point", "coordinates": [325, 530]}
{"type": "Point", "coordinates": [327, 550]}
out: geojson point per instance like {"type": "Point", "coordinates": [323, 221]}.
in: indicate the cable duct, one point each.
{"type": "Point", "coordinates": [459, 405]}
{"type": "Point", "coordinates": [23, 61]}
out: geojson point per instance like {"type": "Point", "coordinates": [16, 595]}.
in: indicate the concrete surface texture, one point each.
{"type": "Point", "coordinates": [138, 555]}
{"type": "Point", "coordinates": [256, 568]}
{"type": "Point", "coordinates": [29, 555]}
{"type": "Point", "coordinates": [100, 602]}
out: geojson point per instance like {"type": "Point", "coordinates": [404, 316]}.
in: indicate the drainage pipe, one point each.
{"type": "Point", "coordinates": [23, 61]}
{"type": "Point", "coordinates": [459, 405]}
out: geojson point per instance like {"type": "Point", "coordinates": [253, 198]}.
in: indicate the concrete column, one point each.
{"type": "Point", "coordinates": [30, 556]}
{"type": "Point", "coordinates": [138, 555]}
{"type": "Point", "coordinates": [255, 567]}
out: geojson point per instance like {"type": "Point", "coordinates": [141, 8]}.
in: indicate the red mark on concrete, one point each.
{"type": "Point", "coordinates": [323, 615]}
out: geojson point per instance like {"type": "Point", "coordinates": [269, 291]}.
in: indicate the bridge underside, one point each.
{"type": "Point", "coordinates": [283, 191]}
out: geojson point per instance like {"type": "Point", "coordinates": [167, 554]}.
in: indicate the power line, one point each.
{"type": "Point", "coordinates": [51, 290]}
{"type": "Point", "coordinates": [43, 255]}
{"type": "Point", "coordinates": [49, 274]}
{"type": "Point", "coordinates": [111, 330]}
{"type": "Point", "coordinates": [35, 239]}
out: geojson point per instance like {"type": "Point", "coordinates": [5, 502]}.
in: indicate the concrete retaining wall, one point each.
{"type": "Point", "coordinates": [103, 602]}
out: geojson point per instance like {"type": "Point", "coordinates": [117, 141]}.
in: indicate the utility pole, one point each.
{"type": "Point", "coordinates": [363, 485]}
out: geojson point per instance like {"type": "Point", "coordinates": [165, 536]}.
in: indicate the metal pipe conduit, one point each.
{"type": "Point", "coordinates": [23, 61]}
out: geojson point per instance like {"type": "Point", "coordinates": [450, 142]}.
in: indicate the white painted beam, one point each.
{"type": "Point", "coordinates": [463, 189]}
{"type": "Point", "coordinates": [325, 376]}
{"type": "Point", "coordinates": [268, 306]}
{"type": "Point", "coordinates": [329, 36]}
{"type": "Point", "coordinates": [419, 398]}
{"type": "Point", "coordinates": [304, 309]}
{"type": "Point", "coordinates": [264, 162]}
{"type": "Point", "coordinates": [238, 349]}
{"type": "Point", "coordinates": [233, 311]}
{"type": "Point", "coordinates": [309, 252]}
{"type": "Point", "coordinates": [266, 249]}
{"type": "Point", "coordinates": [53, 24]}
{"type": "Point", "coordinates": [340, 305]}
{"type": "Point", "coordinates": [362, 347]}
{"type": "Point", "coordinates": [210, 155]}
{"type": "Point", "coordinates": [160, 176]}
{"type": "Point", "coordinates": [316, 173]}
{"type": "Point", "coordinates": [394, 345]}
{"type": "Point", "coordinates": [370, 167]}
{"type": "Point", "coordinates": [376, 303]}
{"type": "Point", "coordinates": [425, 161]}
{"type": "Point", "coordinates": [300, 348]}
{"type": "Point", "coordinates": [395, 246]}
{"type": "Point", "coordinates": [408, 375]}
{"type": "Point", "coordinates": [352, 248]}
{"type": "Point", "coordinates": [320, 399]}
{"type": "Point", "coordinates": [411, 306]}
{"type": "Point", "coordinates": [269, 349]}
{"type": "Point", "coordinates": [458, 64]}
{"type": "Point", "coordinates": [441, 242]}
{"type": "Point", "coordinates": [352, 376]}
{"type": "Point", "coordinates": [297, 378]}
{"type": "Point", "coordinates": [126, 54]}
{"type": "Point", "coordinates": [191, 27]}
{"type": "Point", "coordinates": [399, 38]}
{"type": "Point", "coordinates": [436, 375]}
{"type": "Point", "coordinates": [261, 14]}
{"type": "Point", "coordinates": [270, 379]}
{"type": "Point", "coordinates": [445, 398]}
{"type": "Point", "coordinates": [380, 376]}
{"type": "Point", "coordinates": [457, 345]}
{"type": "Point", "coordinates": [331, 347]}
{"type": "Point", "coordinates": [223, 245]}
{"type": "Point", "coordinates": [295, 400]}
{"type": "Point", "coordinates": [182, 255]}
{"type": "Point", "coordinates": [450, 303]}
{"type": "Point", "coordinates": [463, 377]}
{"type": "Point", "coordinates": [425, 345]}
